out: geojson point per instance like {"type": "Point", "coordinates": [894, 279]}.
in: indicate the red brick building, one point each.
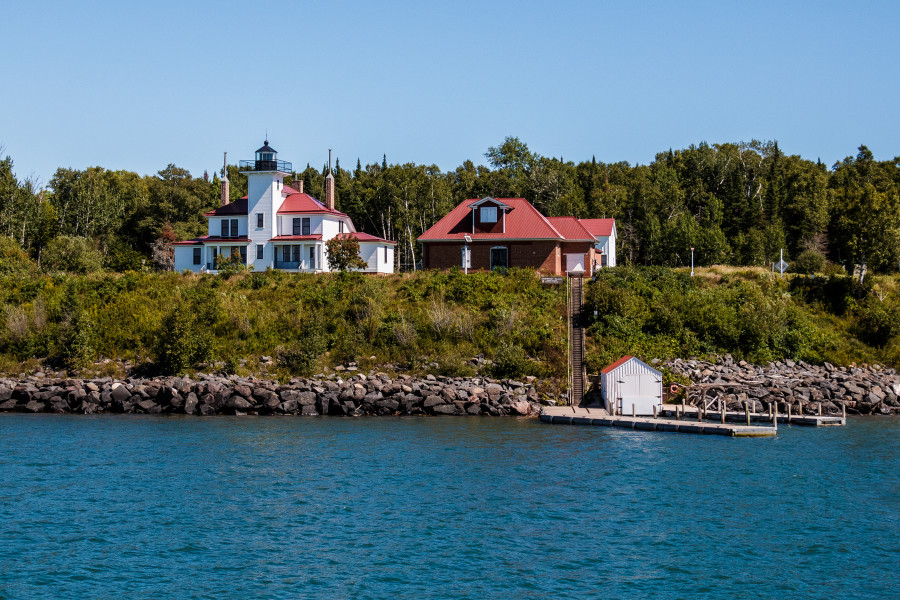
{"type": "Point", "coordinates": [510, 232]}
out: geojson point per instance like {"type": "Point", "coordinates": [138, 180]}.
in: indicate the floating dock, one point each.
{"type": "Point", "coordinates": [571, 415]}
{"type": "Point", "coordinates": [690, 413]}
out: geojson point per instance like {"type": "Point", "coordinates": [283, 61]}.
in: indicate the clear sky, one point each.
{"type": "Point", "coordinates": [138, 85]}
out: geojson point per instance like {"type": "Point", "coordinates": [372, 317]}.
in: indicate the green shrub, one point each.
{"type": "Point", "coordinates": [14, 260]}
{"type": "Point", "coordinates": [510, 361]}
{"type": "Point", "coordinates": [71, 254]}
{"type": "Point", "coordinates": [188, 332]}
{"type": "Point", "coordinates": [301, 356]}
{"type": "Point", "coordinates": [877, 322]}
{"type": "Point", "coordinates": [809, 262]}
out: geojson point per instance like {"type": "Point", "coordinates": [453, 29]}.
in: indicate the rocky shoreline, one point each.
{"type": "Point", "coordinates": [864, 389]}
{"type": "Point", "coordinates": [357, 395]}
{"type": "Point", "coordinates": [807, 389]}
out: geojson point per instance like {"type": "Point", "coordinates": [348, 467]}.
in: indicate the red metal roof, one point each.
{"type": "Point", "coordinates": [366, 237]}
{"type": "Point", "coordinates": [616, 364]}
{"type": "Point", "coordinates": [296, 238]}
{"type": "Point", "coordinates": [301, 202]}
{"type": "Point", "coordinates": [212, 239]}
{"type": "Point", "coordinates": [523, 222]}
{"type": "Point", "coordinates": [599, 227]}
{"type": "Point", "coordinates": [571, 228]}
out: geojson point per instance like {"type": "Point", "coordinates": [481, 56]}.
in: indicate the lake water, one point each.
{"type": "Point", "coordinates": [243, 507]}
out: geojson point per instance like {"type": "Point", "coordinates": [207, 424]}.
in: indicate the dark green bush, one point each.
{"type": "Point", "coordinates": [510, 361]}
{"type": "Point", "coordinates": [808, 262]}
{"type": "Point", "coordinates": [188, 333]}
{"type": "Point", "coordinates": [72, 254]}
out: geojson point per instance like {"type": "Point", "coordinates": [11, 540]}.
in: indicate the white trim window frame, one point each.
{"type": "Point", "coordinates": [488, 214]}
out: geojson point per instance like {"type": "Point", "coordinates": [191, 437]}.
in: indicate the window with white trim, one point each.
{"type": "Point", "coordinates": [260, 220]}
{"type": "Point", "coordinates": [259, 252]}
{"type": "Point", "coordinates": [197, 256]}
{"type": "Point", "coordinates": [488, 214]}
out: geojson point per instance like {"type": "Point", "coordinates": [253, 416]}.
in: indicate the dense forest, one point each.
{"type": "Point", "coordinates": [737, 204]}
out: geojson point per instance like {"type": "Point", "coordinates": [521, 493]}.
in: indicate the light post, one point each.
{"type": "Point", "coordinates": [692, 261]}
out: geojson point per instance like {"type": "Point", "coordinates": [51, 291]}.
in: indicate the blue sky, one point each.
{"type": "Point", "coordinates": [136, 86]}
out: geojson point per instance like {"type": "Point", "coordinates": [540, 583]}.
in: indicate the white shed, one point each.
{"type": "Point", "coordinates": [630, 382]}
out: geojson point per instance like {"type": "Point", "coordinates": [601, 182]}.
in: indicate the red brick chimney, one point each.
{"type": "Point", "coordinates": [329, 185]}
{"type": "Point", "coordinates": [297, 184]}
{"type": "Point", "coordinates": [224, 190]}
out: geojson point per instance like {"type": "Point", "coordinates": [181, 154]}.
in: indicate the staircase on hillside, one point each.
{"type": "Point", "coordinates": [576, 341]}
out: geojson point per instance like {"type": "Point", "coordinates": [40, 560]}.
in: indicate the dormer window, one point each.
{"type": "Point", "coordinates": [488, 214]}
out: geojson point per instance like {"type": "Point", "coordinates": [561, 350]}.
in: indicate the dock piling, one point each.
{"type": "Point", "coordinates": [820, 409]}
{"type": "Point", "coordinates": [775, 415]}
{"type": "Point", "coordinates": [722, 412]}
{"type": "Point", "coordinates": [747, 411]}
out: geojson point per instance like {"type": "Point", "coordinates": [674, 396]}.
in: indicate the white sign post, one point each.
{"type": "Point", "coordinates": [782, 266]}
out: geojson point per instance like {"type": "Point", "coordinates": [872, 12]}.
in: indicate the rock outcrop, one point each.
{"type": "Point", "coordinates": [373, 394]}
{"type": "Point", "coordinates": [865, 389]}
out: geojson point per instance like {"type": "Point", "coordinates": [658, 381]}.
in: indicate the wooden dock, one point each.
{"type": "Point", "coordinates": [570, 415]}
{"type": "Point", "coordinates": [690, 413]}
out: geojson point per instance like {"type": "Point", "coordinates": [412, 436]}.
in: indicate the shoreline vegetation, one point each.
{"type": "Point", "coordinates": [498, 325]}
{"type": "Point", "coordinates": [273, 325]}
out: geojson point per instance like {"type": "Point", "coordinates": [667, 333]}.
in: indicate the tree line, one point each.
{"type": "Point", "coordinates": [734, 203]}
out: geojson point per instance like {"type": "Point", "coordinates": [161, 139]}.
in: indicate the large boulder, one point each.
{"type": "Point", "coordinates": [190, 403]}
{"type": "Point", "coordinates": [520, 408]}
{"type": "Point", "coordinates": [238, 403]}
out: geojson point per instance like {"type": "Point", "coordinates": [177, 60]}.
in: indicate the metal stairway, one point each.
{"type": "Point", "coordinates": [576, 341]}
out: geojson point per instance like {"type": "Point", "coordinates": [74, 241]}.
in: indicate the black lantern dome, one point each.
{"type": "Point", "coordinates": [266, 160]}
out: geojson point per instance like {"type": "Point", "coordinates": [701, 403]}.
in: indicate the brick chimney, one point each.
{"type": "Point", "coordinates": [297, 184]}
{"type": "Point", "coordinates": [329, 185]}
{"type": "Point", "coordinates": [224, 189]}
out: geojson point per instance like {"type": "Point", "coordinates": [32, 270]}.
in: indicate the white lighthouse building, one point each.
{"type": "Point", "coordinates": [277, 226]}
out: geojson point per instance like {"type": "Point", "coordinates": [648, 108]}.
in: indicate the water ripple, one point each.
{"type": "Point", "coordinates": [112, 507]}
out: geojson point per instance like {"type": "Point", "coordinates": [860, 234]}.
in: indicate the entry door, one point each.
{"type": "Point", "coordinates": [639, 391]}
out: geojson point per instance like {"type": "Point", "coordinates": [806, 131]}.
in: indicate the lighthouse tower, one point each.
{"type": "Point", "coordinates": [265, 181]}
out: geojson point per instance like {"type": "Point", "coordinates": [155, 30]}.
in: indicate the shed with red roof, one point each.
{"type": "Point", "coordinates": [630, 385]}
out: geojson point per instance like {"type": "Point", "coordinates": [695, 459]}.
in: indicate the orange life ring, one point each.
{"type": "Point", "coordinates": [673, 389]}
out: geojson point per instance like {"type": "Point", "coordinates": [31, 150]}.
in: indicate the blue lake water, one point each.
{"type": "Point", "coordinates": [241, 507]}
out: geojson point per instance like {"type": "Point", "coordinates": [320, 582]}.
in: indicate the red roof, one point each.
{"type": "Point", "coordinates": [522, 222]}
{"type": "Point", "coordinates": [571, 228]}
{"type": "Point", "coordinates": [301, 202]}
{"type": "Point", "coordinates": [296, 238]}
{"type": "Point", "coordinates": [599, 227]}
{"type": "Point", "coordinates": [212, 239]}
{"type": "Point", "coordinates": [366, 237]}
{"type": "Point", "coordinates": [616, 364]}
